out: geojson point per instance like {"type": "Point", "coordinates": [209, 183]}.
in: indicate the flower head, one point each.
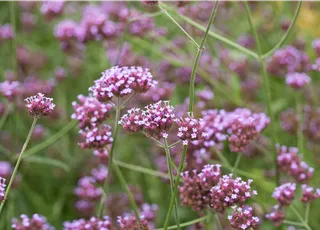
{"type": "Point", "coordinates": [93, 223]}
{"type": "Point", "coordinates": [96, 137]}
{"type": "Point", "coordinates": [10, 89]}
{"type": "Point", "coordinates": [297, 80]}
{"type": "Point", "coordinates": [87, 190]}
{"type": "Point", "coordinates": [2, 189]}
{"type": "Point", "coordinates": [276, 216]}
{"type": "Point", "coordinates": [132, 121]}
{"type": "Point", "coordinates": [242, 218]}
{"type": "Point", "coordinates": [284, 194]}
{"type": "Point", "coordinates": [309, 193]}
{"type": "Point", "coordinates": [39, 105]}
{"type": "Point", "coordinates": [36, 222]}
{"type": "Point", "coordinates": [6, 32]}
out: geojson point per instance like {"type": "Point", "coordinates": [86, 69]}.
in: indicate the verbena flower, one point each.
{"type": "Point", "coordinates": [190, 129]}
{"type": "Point", "coordinates": [290, 162]}
{"type": "Point", "coordinates": [242, 218]}
{"type": "Point", "coordinates": [316, 47]}
{"type": "Point", "coordinates": [150, 3]}
{"type": "Point", "coordinates": [309, 193]}
{"type": "Point", "coordinates": [284, 194]}
{"type": "Point", "coordinates": [100, 173]}
{"type": "Point", "coordinates": [130, 222]}
{"type": "Point", "coordinates": [6, 32]}
{"type": "Point", "coordinates": [66, 30]}
{"type": "Point", "coordinates": [2, 189]}
{"type": "Point", "coordinates": [277, 215]}
{"type": "Point", "coordinates": [52, 9]}
{"type": "Point", "coordinates": [10, 90]}
{"type": "Point", "coordinates": [297, 80]}
{"type": "Point", "coordinates": [96, 137]}
{"type": "Point", "coordinates": [39, 105]}
{"type": "Point", "coordinates": [133, 121]}
{"type": "Point", "coordinates": [90, 112]}
{"type": "Point", "coordinates": [94, 223]}
{"type": "Point", "coordinates": [229, 192]}
{"type": "Point", "coordinates": [35, 222]}
{"type": "Point", "coordinates": [87, 190]}
{"type": "Point", "coordinates": [122, 81]}
{"type": "Point", "coordinates": [195, 190]}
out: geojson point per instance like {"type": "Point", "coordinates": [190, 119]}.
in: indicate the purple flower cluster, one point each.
{"type": "Point", "coordinates": [288, 60]}
{"type": "Point", "coordinates": [122, 81]}
{"type": "Point", "coordinates": [6, 32]}
{"type": "Point", "coordinates": [93, 223]}
{"type": "Point", "coordinates": [90, 112]}
{"type": "Point", "coordinates": [196, 186]}
{"type": "Point", "coordinates": [290, 162]}
{"type": "Point", "coordinates": [86, 189]}
{"type": "Point", "coordinates": [10, 90]}
{"type": "Point", "coordinates": [297, 80]}
{"type": "Point", "coordinates": [190, 129]}
{"type": "Point", "coordinates": [37, 222]}
{"type": "Point", "coordinates": [2, 189]}
{"type": "Point", "coordinates": [97, 137]}
{"type": "Point", "coordinates": [316, 47]}
{"type": "Point", "coordinates": [277, 215]}
{"type": "Point", "coordinates": [229, 192]}
{"type": "Point", "coordinates": [309, 193]}
{"type": "Point", "coordinates": [242, 218]}
{"type": "Point", "coordinates": [284, 194]}
{"type": "Point", "coordinates": [155, 121]}
{"type": "Point", "coordinates": [51, 9]}
{"type": "Point", "coordinates": [39, 105]}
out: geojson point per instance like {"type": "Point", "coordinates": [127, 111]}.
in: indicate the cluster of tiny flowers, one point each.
{"type": "Point", "coordinates": [10, 89]}
{"type": "Point", "coordinates": [277, 215]}
{"type": "Point", "coordinates": [93, 223]}
{"type": "Point", "coordinates": [155, 121]}
{"type": "Point", "coordinates": [309, 193]}
{"type": "Point", "coordinates": [316, 47]}
{"type": "Point", "coordinates": [190, 129]}
{"type": "Point", "coordinates": [243, 127]}
{"type": "Point", "coordinates": [242, 218]}
{"type": "Point", "coordinates": [97, 137]}
{"type": "Point", "coordinates": [2, 189]}
{"type": "Point", "coordinates": [6, 32]}
{"type": "Point", "coordinates": [37, 222]}
{"type": "Point", "coordinates": [121, 81]}
{"type": "Point", "coordinates": [297, 80]}
{"type": "Point", "coordinates": [130, 222]}
{"type": "Point", "coordinates": [51, 9]}
{"type": "Point", "coordinates": [290, 162]}
{"type": "Point", "coordinates": [86, 189]}
{"type": "Point", "coordinates": [39, 105]}
{"type": "Point", "coordinates": [90, 112]}
{"type": "Point", "coordinates": [229, 192]}
{"type": "Point", "coordinates": [288, 60]}
{"type": "Point", "coordinates": [196, 186]}
{"type": "Point", "coordinates": [284, 194]}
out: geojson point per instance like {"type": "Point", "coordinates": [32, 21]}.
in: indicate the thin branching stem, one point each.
{"type": "Point", "coordinates": [198, 55]}
{"type": "Point", "coordinates": [289, 222]}
{"type": "Point", "coordinates": [266, 84]}
{"type": "Point", "coordinates": [286, 35]}
{"type": "Point", "coordinates": [306, 215]}
{"type": "Point", "coordinates": [236, 164]}
{"type": "Point", "coordinates": [5, 115]}
{"type": "Point", "coordinates": [15, 170]}
{"type": "Point", "coordinates": [187, 223]}
{"type": "Point", "coordinates": [305, 224]}
{"type": "Point", "coordinates": [168, 156]}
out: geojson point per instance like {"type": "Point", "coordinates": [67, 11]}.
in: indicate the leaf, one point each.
{"type": "Point", "coordinates": [48, 161]}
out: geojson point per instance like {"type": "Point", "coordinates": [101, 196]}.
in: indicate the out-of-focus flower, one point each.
{"type": "Point", "coordinates": [6, 32]}
{"type": "Point", "coordinates": [87, 190]}
{"type": "Point", "coordinates": [85, 207]}
{"type": "Point", "coordinates": [130, 222]}
{"type": "Point", "coordinates": [90, 112]}
{"type": "Point", "coordinates": [247, 41]}
{"type": "Point", "coordinates": [316, 65]}
{"type": "Point", "coordinates": [102, 154]}
{"type": "Point", "coordinates": [140, 27]}
{"type": "Point", "coordinates": [10, 90]}
{"type": "Point", "coordinates": [2, 189]}
{"type": "Point", "coordinates": [51, 9]}
{"type": "Point", "coordinates": [159, 93]}
{"type": "Point", "coordinates": [290, 162]}
{"type": "Point", "coordinates": [60, 74]}
{"type": "Point", "coordinates": [28, 20]}
{"type": "Point", "coordinates": [151, 3]}
{"type": "Point", "coordinates": [316, 47]}
{"type": "Point", "coordinates": [289, 121]}
{"type": "Point", "coordinates": [39, 105]}
{"type": "Point", "coordinates": [195, 190]}
{"type": "Point", "coordinates": [119, 82]}
{"type": "Point", "coordinates": [297, 80]}
{"type": "Point", "coordinates": [93, 223]}
{"type": "Point", "coordinates": [32, 85]}
{"type": "Point", "coordinates": [190, 129]}
{"type": "Point", "coordinates": [229, 192]}
{"type": "Point", "coordinates": [66, 30]}
{"type": "Point", "coordinates": [242, 218]}
{"type": "Point", "coordinates": [36, 222]}
{"type": "Point", "coordinates": [276, 216]}
{"type": "Point", "coordinates": [96, 137]}
{"type": "Point", "coordinates": [100, 173]}
{"type": "Point", "coordinates": [309, 193]}
{"type": "Point", "coordinates": [38, 132]}
{"type": "Point", "coordinates": [284, 194]}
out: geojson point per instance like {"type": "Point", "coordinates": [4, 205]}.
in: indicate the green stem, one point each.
{"type": "Point", "coordinates": [198, 55]}
{"type": "Point", "coordinates": [215, 35]}
{"type": "Point", "coordinates": [300, 217]}
{"type": "Point", "coordinates": [218, 222]}
{"type": "Point", "coordinates": [186, 223]}
{"type": "Point", "coordinates": [300, 122]}
{"type": "Point", "coordinates": [180, 27]}
{"type": "Point", "coordinates": [174, 144]}
{"type": "Point", "coordinates": [141, 169]}
{"type": "Point", "coordinates": [168, 156]}
{"type": "Point", "coordinates": [19, 160]}
{"type": "Point", "coordinates": [292, 223]}
{"type": "Point", "coordinates": [175, 191]}
{"type": "Point", "coordinates": [4, 116]}
{"type": "Point", "coordinates": [111, 153]}
{"type": "Point", "coordinates": [236, 164]}
{"type": "Point", "coordinates": [125, 187]}
{"type": "Point", "coordinates": [266, 85]}
{"type": "Point", "coordinates": [286, 35]}
{"type": "Point", "coordinates": [306, 215]}
{"type": "Point", "coordinates": [145, 16]}
{"type": "Point", "coordinates": [14, 42]}
{"type": "Point", "coordinates": [51, 140]}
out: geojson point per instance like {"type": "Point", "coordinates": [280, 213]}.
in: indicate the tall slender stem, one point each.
{"type": "Point", "coordinates": [167, 150]}
{"type": "Point", "coordinates": [175, 190]}
{"type": "Point", "coordinates": [19, 160]}
{"type": "Point", "coordinates": [180, 27]}
{"type": "Point", "coordinates": [300, 122]}
{"type": "Point", "coordinates": [187, 223]}
{"type": "Point", "coordinates": [5, 115]}
{"type": "Point", "coordinates": [111, 153]}
{"type": "Point", "coordinates": [306, 215]}
{"type": "Point", "coordinates": [236, 164]}
{"type": "Point", "coordinates": [14, 42]}
{"type": "Point", "coordinates": [267, 90]}
{"type": "Point", "coordinates": [300, 217]}
{"type": "Point", "coordinates": [198, 55]}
